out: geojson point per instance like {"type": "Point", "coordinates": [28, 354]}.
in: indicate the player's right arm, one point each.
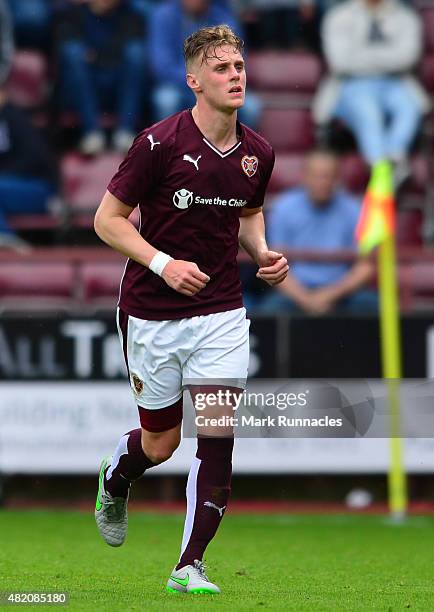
{"type": "Point", "coordinates": [113, 227]}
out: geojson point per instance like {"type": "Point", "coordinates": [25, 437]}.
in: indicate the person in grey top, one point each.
{"type": "Point", "coordinates": [6, 42]}
{"type": "Point", "coordinates": [372, 47]}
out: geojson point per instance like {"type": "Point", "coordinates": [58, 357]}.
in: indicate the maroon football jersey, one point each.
{"type": "Point", "coordinates": [190, 196]}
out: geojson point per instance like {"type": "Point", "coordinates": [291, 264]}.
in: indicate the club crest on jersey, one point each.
{"type": "Point", "coordinates": [249, 164]}
{"type": "Point", "coordinates": [137, 384]}
{"type": "Point", "coordinates": [183, 198]}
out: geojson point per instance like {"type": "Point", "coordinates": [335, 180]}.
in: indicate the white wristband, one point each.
{"type": "Point", "coordinates": [159, 262]}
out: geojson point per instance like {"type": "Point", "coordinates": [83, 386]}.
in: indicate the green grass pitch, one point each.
{"type": "Point", "coordinates": [261, 562]}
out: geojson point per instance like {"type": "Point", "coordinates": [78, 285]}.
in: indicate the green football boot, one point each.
{"type": "Point", "coordinates": [191, 579]}
{"type": "Point", "coordinates": [111, 513]}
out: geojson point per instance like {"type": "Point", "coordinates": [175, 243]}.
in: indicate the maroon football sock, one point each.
{"type": "Point", "coordinates": [129, 463]}
{"type": "Point", "coordinates": [208, 490]}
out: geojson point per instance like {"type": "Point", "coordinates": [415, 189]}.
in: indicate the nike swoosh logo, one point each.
{"type": "Point", "coordinates": [98, 504]}
{"type": "Point", "coordinates": [181, 581]}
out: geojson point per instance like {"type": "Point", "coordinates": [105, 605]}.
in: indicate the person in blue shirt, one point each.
{"type": "Point", "coordinates": [319, 216]}
{"type": "Point", "coordinates": [102, 67]}
{"type": "Point", "coordinates": [28, 172]}
{"type": "Point", "coordinates": [170, 24]}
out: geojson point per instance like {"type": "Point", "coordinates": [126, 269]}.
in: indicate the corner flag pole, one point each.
{"type": "Point", "coordinates": [392, 372]}
{"type": "Point", "coordinates": [376, 227]}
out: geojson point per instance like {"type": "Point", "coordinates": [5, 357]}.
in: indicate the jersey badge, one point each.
{"type": "Point", "coordinates": [137, 384]}
{"type": "Point", "coordinates": [249, 164]}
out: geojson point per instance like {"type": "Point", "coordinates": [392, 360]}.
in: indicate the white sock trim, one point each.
{"type": "Point", "coordinates": [122, 449]}
{"type": "Point", "coordinates": [191, 503]}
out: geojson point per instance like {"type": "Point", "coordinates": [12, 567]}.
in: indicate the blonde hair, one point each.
{"type": "Point", "coordinates": [206, 41]}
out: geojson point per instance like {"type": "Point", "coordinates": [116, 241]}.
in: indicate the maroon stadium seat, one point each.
{"type": "Point", "coordinates": [426, 72]}
{"type": "Point", "coordinates": [287, 130]}
{"type": "Point", "coordinates": [27, 84]}
{"type": "Point", "coordinates": [297, 72]}
{"type": "Point", "coordinates": [419, 178]}
{"type": "Point", "coordinates": [427, 16]}
{"type": "Point", "coordinates": [418, 285]}
{"type": "Point", "coordinates": [85, 179]}
{"type": "Point", "coordinates": [409, 227]}
{"type": "Point", "coordinates": [354, 173]}
{"type": "Point", "coordinates": [46, 221]}
{"type": "Point", "coordinates": [404, 287]}
{"type": "Point", "coordinates": [46, 284]}
{"type": "Point", "coordinates": [287, 173]}
{"type": "Point", "coordinates": [84, 182]}
{"type": "Point", "coordinates": [100, 282]}
{"type": "Point", "coordinates": [68, 119]}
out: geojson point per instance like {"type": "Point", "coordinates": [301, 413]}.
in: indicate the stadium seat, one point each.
{"type": "Point", "coordinates": [417, 286]}
{"type": "Point", "coordinates": [46, 221]}
{"type": "Point", "coordinates": [27, 84]}
{"type": "Point", "coordinates": [70, 120]}
{"type": "Point", "coordinates": [426, 72]}
{"type": "Point", "coordinates": [354, 173]}
{"type": "Point", "coordinates": [287, 130]}
{"type": "Point", "coordinates": [427, 16]}
{"type": "Point", "coordinates": [297, 72]}
{"type": "Point", "coordinates": [287, 173]}
{"type": "Point", "coordinates": [420, 175]}
{"type": "Point", "coordinates": [84, 182]}
{"type": "Point", "coordinates": [51, 284]}
{"type": "Point", "coordinates": [100, 282]}
{"type": "Point", "coordinates": [404, 287]}
{"type": "Point", "coordinates": [409, 227]}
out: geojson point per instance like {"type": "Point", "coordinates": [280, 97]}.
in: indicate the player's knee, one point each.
{"type": "Point", "coordinates": [161, 431]}
{"type": "Point", "coordinates": [159, 456]}
{"type": "Point", "coordinates": [159, 447]}
{"type": "Point", "coordinates": [159, 453]}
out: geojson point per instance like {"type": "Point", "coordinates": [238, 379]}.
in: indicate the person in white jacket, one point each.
{"type": "Point", "coordinates": [371, 47]}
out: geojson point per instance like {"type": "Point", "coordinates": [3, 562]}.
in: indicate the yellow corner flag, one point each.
{"type": "Point", "coordinates": [376, 227]}
{"type": "Point", "coordinates": [377, 218]}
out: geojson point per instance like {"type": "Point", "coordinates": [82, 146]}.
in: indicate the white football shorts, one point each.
{"type": "Point", "coordinates": [163, 357]}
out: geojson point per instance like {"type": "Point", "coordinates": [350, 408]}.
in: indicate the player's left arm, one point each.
{"type": "Point", "coordinates": [273, 267]}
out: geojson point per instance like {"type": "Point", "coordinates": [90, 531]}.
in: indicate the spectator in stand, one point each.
{"type": "Point", "coordinates": [32, 22]}
{"type": "Point", "coordinates": [102, 67]}
{"type": "Point", "coordinates": [6, 42]}
{"type": "Point", "coordinates": [28, 177]}
{"type": "Point", "coordinates": [143, 7]}
{"type": "Point", "coordinates": [281, 23]}
{"type": "Point", "coordinates": [319, 216]}
{"type": "Point", "coordinates": [169, 26]}
{"type": "Point", "coordinates": [371, 47]}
